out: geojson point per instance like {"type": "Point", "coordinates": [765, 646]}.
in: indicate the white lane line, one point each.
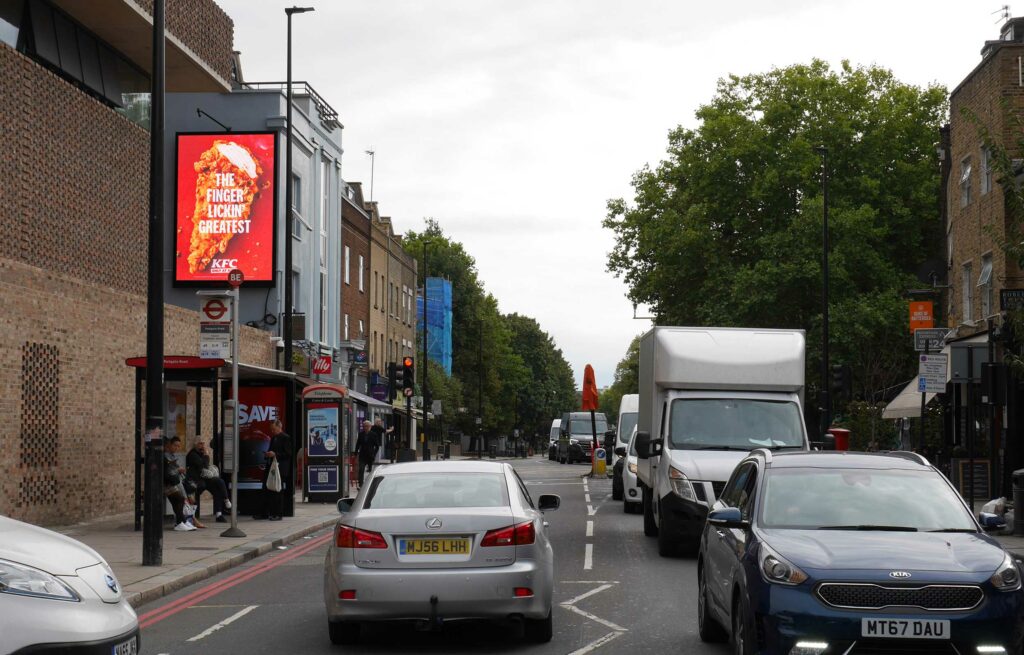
{"type": "Point", "coordinates": [586, 497]}
{"type": "Point", "coordinates": [588, 594]}
{"type": "Point", "coordinates": [585, 483]}
{"type": "Point", "coordinates": [591, 510]}
{"type": "Point", "coordinates": [588, 557]}
{"type": "Point", "coordinates": [590, 528]}
{"type": "Point", "coordinates": [226, 622]}
{"type": "Point", "coordinates": [594, 645]}
{"type": "Point", "coordinates": [589, 581]}
{"type": "Point", "coordinates": [598, 619]}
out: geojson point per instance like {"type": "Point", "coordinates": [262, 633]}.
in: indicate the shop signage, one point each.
{"type": "Point", "coordinates": [322, 365]}
{"type": "Point", "coordinates": [931, 373]}
{"type": "Point", "coordinates": [1011, 299]}
{"type": "Point", "coordinates": [225, 208]}
{"type": "Point", "coordinates": [921, 315]}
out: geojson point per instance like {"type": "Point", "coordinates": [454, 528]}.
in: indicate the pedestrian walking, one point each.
{"type": "Point", "coordinates": [367, 446]}
{"type": "Point", "coordinates": [385, 437]}
{"type": "Point", "coordinates": [205, 476]}
{"type": "Point", "coordinates": [280, 450]}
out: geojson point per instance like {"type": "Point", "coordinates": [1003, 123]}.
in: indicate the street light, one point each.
{"type": "Point", "coordinates": [289, 201]}
{"type": "Point", "coordinates": [826, 400]}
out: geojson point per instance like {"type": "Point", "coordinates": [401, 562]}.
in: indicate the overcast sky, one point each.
{"type": "Point", "coordinates": [513, 122]}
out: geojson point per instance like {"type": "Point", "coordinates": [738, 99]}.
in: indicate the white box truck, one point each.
{"type": "Point", "coordinates": [708, 396]}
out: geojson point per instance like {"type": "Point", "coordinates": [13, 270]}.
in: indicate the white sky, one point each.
{"type": "Point", "coordinates": [512, 122]}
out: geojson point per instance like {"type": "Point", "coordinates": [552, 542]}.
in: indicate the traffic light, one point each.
{"type": "Point", "coordinates": [392, 381]}
{"type": "Point", "coordinates": [842, 383]}
{"type": "Point", "coordinates": [408, 377]}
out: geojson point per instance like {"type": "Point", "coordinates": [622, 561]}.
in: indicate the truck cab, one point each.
{"type": "Point", "coordinates": [708, 396]}
{"type": "Point", "coordinates": [576, 440]}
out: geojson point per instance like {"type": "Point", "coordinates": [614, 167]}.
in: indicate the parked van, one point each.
{"type": "Point", "coordinates": [576, 440]}
{"type": "Point", "coordinates": [629, 405]}
{"type": "Point", "coordinates": [708, 396]}
{"type": "Point", "coordinates": [553, 439]}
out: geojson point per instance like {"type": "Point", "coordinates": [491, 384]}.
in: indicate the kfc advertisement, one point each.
{"type": "Point", "coordinates": [257, 407]}
{"type": "Point", "coordinates": [225, 207]}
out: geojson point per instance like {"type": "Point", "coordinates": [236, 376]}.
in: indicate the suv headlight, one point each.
{"type": "Point", "coordinates": [1007, 576]}
{"type": "Point", "coordinates": [777, 569]}
{"type": "Point", "coordinates": [680, 485]}
{"type": "Point", "coordinates": [24, 580]}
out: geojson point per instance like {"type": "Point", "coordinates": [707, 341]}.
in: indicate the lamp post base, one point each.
{"type": "Point", "coordinates": [233, 532]}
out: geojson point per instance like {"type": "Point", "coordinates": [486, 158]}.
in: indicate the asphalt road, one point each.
{"type": "Point", "coordinates": [613, 593]}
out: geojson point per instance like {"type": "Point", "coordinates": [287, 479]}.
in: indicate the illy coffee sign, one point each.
{"type": "Point", "coordinates": [322, 365]}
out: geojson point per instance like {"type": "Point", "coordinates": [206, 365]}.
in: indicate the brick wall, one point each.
{"type": "Point", "coordinates": [975, 228]}
{"type": "Point", "coordinates": [67, 412]}
{"type": "Point", "coordinates": [203, 27]}
{"type": "Point", "coordinates": [355, 236]}
{"type": "Point", "coordinates": [74, 196]}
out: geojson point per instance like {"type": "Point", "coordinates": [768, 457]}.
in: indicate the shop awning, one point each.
{"type": "Point", "coordinates": [367, 400]}
{"type": "Point", "coordinates": [908, 403]}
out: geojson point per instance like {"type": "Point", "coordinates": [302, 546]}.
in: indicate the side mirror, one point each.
{"type": "Point", "coordinates": [620, 451]}
{"type": "Point", "coordinates": [991, 522]}
{"type": "Point", "coordinates": [549, 502]}
{"type": "Point", "coordinates": [728, 517]}
{"type": "Point", "coordinates": [643, 445]}
{"type": "Point", "coordinates": [345, 505]}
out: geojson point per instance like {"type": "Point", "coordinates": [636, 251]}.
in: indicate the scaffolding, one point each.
{"type": "Point", "coordinates": [439, 321]}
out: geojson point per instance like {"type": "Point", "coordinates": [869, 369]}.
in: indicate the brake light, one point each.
{"type": "Point", "coordinates": [348, 537]}
{"type": "Point", "coordinates": [522, 534]}
{"type": "Point", "coordinates": [347, 594]}
{"type": "Point", "coordinates": [522, 592]}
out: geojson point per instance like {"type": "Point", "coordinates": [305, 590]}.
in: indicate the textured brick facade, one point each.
{"type": "Point", "coordinates": [355, 303]}
{"type": "Point", "coordinates": [976, 226]}
{"type": "Point", "coordinates": [67, 412]}
{"type": "Point", "coordinates": [203, 27]}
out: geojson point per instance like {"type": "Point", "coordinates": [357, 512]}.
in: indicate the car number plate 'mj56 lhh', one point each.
{"type": "Point", "coordinates": [433, 546]}
{"type": "Point", "coordinates": [905, 628]}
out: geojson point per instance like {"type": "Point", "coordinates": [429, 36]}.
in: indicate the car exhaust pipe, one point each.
{"type": "Point", "coordinates": [436, 622]}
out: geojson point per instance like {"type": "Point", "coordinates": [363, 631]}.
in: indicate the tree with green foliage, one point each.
{"type": "Point", "coordinates": [726, 230]}
{"type": "Point", "coordinates": [627, 380]}
{"type": "Point", "coordinates": [549, 387]}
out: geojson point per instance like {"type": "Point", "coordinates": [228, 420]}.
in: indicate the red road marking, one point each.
{"type": "Point", "coordinates": [172, 608]}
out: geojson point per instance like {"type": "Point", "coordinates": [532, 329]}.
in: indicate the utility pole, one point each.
{"type": "Point", "coordinates": [825, 396]}
{"type": "Point", "coordinates": [480, 391]}
{"type": "Point", "coordinates": [426, 365]}
{"type": "Point", "coordinates": [153, 505]}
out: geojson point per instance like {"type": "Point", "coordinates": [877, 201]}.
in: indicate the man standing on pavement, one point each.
{"type": "Point", "coordinates": [382, 435]}
{"type": "Point", "coordinates": [367, 445]}
{"type": "Point", "coordinates": [280, 450]}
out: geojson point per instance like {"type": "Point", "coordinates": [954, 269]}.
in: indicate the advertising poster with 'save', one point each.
{"type": "Point", "coordinates": [225, 207]}
{"type": "Point", "coordinates": [322, 430]}
{"type": "Point", "coordinates": [257, 407]}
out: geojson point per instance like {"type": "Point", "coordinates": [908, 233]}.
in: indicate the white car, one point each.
{"type": "Point", "coordinates": [59, 595]}
{"type": "Point", "coordinates": [631, 497]}
{"type": "Point", "coordinates": [432, 542]}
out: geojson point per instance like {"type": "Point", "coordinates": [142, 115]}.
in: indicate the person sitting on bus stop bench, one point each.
{"type": "Point", "coordinates": [173, 489]}
{"type": "Point", "coordinates": [205, 477]}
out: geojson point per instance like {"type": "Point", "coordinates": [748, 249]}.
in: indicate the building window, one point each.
{"type": "Point", "coordinates": [986, 170]}
{"type": "Point", "coordinates": [985, 286]}
{"type": "Point", "coordinates": [323, 307]}
{"type": "Point", "coordinates": [362, 332]}
{"type": "Point", "coordinates": [296, 206]}
{"type": "Point", "coordinates": [968, 294]}
{"type": "Point", "coordinates": [325, 186]}
{"type": "Point", "coordinates": [361, 289]}
{"type": "Point", "coordinates": [965, 181]}
{"type": "Point", "coordinates": [376, 285]}
{"type": "Point", "coordinates": [348, 258]}
{"type": "Point", "coordinates": [346, 327]}
{"type": "Point", "coordinates": [296, 290]}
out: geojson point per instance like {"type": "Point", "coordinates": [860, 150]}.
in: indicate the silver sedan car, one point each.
{"type": "Point", "coordinates": [441, 541]}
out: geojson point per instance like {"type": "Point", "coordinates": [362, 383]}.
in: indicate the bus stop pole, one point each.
{"type": "Point", "coordinates": [234, 531]}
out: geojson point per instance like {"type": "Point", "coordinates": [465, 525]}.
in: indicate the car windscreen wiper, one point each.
{"type": "Point", "coordinates": [953, 530]}
{"type": "Point", "coordinates": [736, 448]}
{"type": "Point", "coordinates": [784, 447]}
{"type": "Point", "coordinates": [881, 528]}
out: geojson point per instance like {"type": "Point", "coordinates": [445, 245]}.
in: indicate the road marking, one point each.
{"type": "Point", "coordinates": [594, 645]}
{"type": "Point", "coordinates": [595, 590]}
{"type": "Point", "coordinates": [590, 528]}
{"type": "Point", "coordinates": [585, 483]}
{"type": "Point", "coordinates": [226, 622]}
{"type": "Point", "coordinates": [588, 557]}
{"type": "Point", "coordinates": [589, 582]}
{"type": "Point", "coordinates": [586, 498]}
{"type": "Point", "coordinates": [596, 619]}
{"type": "Point", "coordinates": [591, 510]}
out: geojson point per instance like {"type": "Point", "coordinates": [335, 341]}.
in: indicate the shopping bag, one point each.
{"type": "Point", "coordinates": [274, 478]}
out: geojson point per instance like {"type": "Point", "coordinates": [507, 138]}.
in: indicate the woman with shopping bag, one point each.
{"type": "Point", "coordinates": [275, 475]}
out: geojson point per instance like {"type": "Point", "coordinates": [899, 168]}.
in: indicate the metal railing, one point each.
{"type": "Point", "coordinates": [328, 115]}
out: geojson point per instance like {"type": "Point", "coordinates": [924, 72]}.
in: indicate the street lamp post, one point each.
{"type": "Point", "coordinates": [426, 367]}
{"type": "Point", "coordinates": [825, 396]}
{"type": "Point", "coordinates": [289, 200]}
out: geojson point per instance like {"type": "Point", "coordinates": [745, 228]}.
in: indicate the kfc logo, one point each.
{"type": "Point", "coordinates": [223, 265]}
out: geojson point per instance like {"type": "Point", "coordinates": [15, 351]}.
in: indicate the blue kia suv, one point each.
{"type": "Point", "coordinates": [829, 553]}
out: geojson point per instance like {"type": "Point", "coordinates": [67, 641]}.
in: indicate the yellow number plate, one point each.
{"type": "Point", "coordinates": [433, 547]}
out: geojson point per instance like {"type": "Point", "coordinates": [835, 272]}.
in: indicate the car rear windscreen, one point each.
{"type": "Point", "coordinates": [437, 490]}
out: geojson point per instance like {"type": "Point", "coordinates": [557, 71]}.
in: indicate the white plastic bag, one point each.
{"type": "Point", "coordinates": [995, 506]}
{"type": "Point", "coordinates": [274, 478]}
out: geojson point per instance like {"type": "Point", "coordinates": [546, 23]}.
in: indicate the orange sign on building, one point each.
{"type": "Point", "coordinates": [921, 315]}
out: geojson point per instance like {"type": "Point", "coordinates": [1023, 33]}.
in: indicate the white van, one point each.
{"type": "Point", "coordinates": [553, 439]}
{"type": "Point", "coordinates": [629, 406]}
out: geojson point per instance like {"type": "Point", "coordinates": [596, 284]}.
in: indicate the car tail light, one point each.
{"type": "Point", "coordinates": [521, 534]}
{"type": "Point", "coordinates": [522, 592]}
{"type": "Point", "coordinates": [347, 594]}
{"type": "Point", "coordinates": [348, 537]}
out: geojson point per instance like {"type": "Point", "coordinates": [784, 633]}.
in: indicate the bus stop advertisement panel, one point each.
{"type": "Point", "coordinates": [259, 405]}
{"type": "Point", "coordinates": [325, 442]}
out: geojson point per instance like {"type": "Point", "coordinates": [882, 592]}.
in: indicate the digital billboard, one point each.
{"type": "Point", "coordinates": [225, 207]}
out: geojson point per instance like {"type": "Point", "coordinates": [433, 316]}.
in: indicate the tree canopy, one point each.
{"type": "Point", "coordinates": [727, 229]}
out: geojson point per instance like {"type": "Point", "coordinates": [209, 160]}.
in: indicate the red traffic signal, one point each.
{"type": "Point", "coordinates": [408, 380]}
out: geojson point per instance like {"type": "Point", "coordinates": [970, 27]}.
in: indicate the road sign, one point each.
{"type": "Point", "coordinates": [435, 408]}
{"type": "Point", "coordinates": [236, 277]}
{"type": "Point", "coordinates": [931, 373]}
{"type": "Point", "coordinates": [936, 338]}
{"type": "Point", "coordinates": [921, 314]}
{"type": "Point", "coordinates": [408, 392]}
{"type": "Point", "coordinates": [215, 328]}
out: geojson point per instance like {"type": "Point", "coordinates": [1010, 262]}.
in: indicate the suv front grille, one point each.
{"type": "Point", "coordinates": [873, 597]}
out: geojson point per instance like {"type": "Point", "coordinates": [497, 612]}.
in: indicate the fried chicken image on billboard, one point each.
{"type": "Point", "coordinates": [227, 182]}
